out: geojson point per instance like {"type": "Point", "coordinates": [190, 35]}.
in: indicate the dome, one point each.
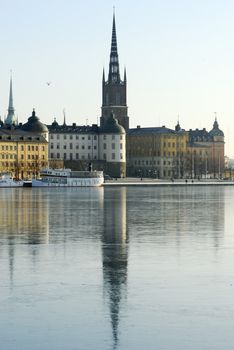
{"type": "Point", "coordinates": [34, 125]}
{"type": "Point", "coordinates": [216, 131]}
{"type": "Point", "coordinates": [112, 126]}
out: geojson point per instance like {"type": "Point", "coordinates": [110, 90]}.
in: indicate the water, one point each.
{"type": "Point", "coordinates": [122, 268]}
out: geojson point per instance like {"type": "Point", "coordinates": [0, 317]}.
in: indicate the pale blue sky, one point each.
{"type": "Point", "coordinates": [179, 57]}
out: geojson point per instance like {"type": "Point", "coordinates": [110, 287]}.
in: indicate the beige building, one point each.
{"type": "Point", "coordinates": [156, 152]}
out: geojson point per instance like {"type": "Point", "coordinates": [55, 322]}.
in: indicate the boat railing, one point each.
{"type": "Point", "coordinates": [86, 174]}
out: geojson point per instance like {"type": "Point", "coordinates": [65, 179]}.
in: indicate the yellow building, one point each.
{"type": "Point", "coordinates": [24, 148]}
{"type": "Point", "coordinates": [157, 152]}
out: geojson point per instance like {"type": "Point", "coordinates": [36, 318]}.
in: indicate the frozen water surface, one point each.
{"type": "Point", "coordinates": [122, 268]}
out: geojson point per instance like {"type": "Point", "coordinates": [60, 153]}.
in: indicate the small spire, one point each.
{"type": "Point", "coordinates": [11, 118]}
{"type": "Point", "coordinates": [114, 75]}
{"type": "Point", "coordinates": [64, 117]}
{"type": "Point", "coordinates": [125, 75]}
{"type": "Point", "coordinates": [103, 75]}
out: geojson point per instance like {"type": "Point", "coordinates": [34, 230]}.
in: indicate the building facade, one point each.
{"type": "Point", "coordinates": [23, 148]}
{"type": "Point", "coordinates": [156, 152]}
{"type": "Point", "coordinates": [78, 146]}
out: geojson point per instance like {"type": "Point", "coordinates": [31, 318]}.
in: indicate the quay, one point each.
{"type": "Point", "coordinates": [128, 181]}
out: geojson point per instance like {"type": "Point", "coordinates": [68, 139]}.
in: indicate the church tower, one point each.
{"type": "Point", "coordinates": [114, 90]}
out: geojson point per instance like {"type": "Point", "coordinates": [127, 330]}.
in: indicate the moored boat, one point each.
{"type": "Point", "coordinates": [68, 178]}
{"type": "Point", "coordinates": [6, 180]}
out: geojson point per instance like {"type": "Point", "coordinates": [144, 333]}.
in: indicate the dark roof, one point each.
{"type": "Point", "coordinates": [151, 130]}
{"type": "Point", "coordinates": [34, 125]}
{"type": "Point", "coordinates": [216, 131]}
{"type": "Point", "coordinates": [112, 126]}
{"type": "Point", "coordinates": [199, 135]}
{"type": "Point", "coordinates": [66, 129]}
{"type": "Point", "coordinates": [17, 134]}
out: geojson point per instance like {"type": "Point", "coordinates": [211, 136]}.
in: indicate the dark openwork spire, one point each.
{"type": "Point", "coordinates": [114, 75]}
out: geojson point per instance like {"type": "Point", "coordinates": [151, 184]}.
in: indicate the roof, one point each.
{"type": "Point", "coordinates": [34, 125]}
{"type": "Point", "coordinates": [71, 129]}
{"type": "Point", "coordinates": [112, 126]}
{"type": "Point", "coordinates": [151, 130]}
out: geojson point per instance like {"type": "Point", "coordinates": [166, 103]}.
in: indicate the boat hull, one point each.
{"type": "Point", "coordinates": [69, 182]}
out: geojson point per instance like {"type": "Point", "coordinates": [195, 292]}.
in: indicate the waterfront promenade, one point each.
{"type": "Point", "coordinates": [133, 181]}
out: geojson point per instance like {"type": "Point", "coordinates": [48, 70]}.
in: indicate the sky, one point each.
{"type": "Point", "coordinates": [179, 57]}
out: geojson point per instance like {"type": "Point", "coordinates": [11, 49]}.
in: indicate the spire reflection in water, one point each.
{"type": "Point", "coordinates": [115, 254]}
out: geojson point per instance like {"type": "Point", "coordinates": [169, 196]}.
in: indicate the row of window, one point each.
{"type": "Point", "coordinates": [150, 162]}
{"type": "Point", "coordinates": [14, 156]}
{"type": "Point", "coordinates": [78, 137]}
{"type": "Point", "coordinates": [77, 156]}
{"type": "Point", "coordinates": [169, 144]}
{"type": "Point", "coordinates": [71, 146]}
{"type": "Point", "coordinates": [72, 137]}
{"type": "Point", "coordinates": [20, 165]}
{"type": "Point", "coordinates": [71, 156]}
{"type": "Point", "coordinates": [22, 148]}
{"type": "Point", "coordinates": [112, 146]}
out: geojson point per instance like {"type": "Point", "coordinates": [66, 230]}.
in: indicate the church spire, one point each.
{"type": "Point", "coordinates": [114, 75]}
{"type": "Point", "coordinates": [11, 118]}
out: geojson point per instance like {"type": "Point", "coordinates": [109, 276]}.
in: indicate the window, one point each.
{"type": "Point", "coordinates": [113, 137]}
{"type": "Point", "coordinates": [89, 147]}
{"type": "Point", "coordinates": [71, 145]}
{"type": "Point", "coordinates": [51, 137]}
{"type": "Point", "coordinates": [83, 137]}
{"type": "Point", "coordinates": [77, 137]}
{"type": "Point", "coordinates": [10, 148]}
{"type": "Point", "coordinates": [94, 147]}
{"type": "Point", "coordinates": [77, 155]}
{"type": "Point", "coordinates": [89, 137]}
{"type": "Point", "coordinates": [36, 148]}
{"type": "Point", "coordinates": [43, 148]}
{"type": "Point", "coordinates": [70, 156]}
{"type": "Point", "coordinates": [121, 146]}
{"type": "Point", "coordinates": [32, 148]}
{"type": "Point", "coordinates": [104, 145]}
{"type": "Point", "coordinates": [4, 147]}
{"type": "Point", "coordinates": [52, 146]}
{"type": "Point", "coordinates": [121, 137]}
{"type": "Point", "coordinates": [71, 137]}
{"type": "Point", "coordinates": [29, 156]}
{"type": "Point", "coordinates": [58, 155]}
{"type": "Point", "coordinates": [113, 146]}
{"type": "Point", "coordinates": [64, 137]}
{"type": "Point", "coordinates": [83, 147]}
{"type": "Point", "coordinates": [121, 156]}
{"type": "Point", "coordinates": [77, 146]}
{"type": "Point", "coordinates": [65, 155]}
{"type": "Point", "coordinates": [64, 147]}
{"type": "Point", "coordinates": [58, 146]}
{"type": "Point", "coordinates": [113, 156]}
{"type": "Point", "coordinates": [22, 156]}
{"type": "Point", "coordinates": [52, 155]}
{"type": "Point", "coordinates": [104, 156]}
{"type": "Point", "coordinates": [95, 137]}
{"type": "Point", "coordinates": [104, 137]}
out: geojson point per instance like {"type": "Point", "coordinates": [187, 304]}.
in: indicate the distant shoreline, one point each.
{"type": "Point", "coordinates": [159, 182]}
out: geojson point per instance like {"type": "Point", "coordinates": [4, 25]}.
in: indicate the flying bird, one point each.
{"type": "Point", "coordinates": [48, 83]}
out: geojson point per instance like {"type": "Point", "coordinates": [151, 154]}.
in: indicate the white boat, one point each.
{"type": "Point", "coordinates": [68, 178]}
{"type": "Point", "coordinates": [6, 180]}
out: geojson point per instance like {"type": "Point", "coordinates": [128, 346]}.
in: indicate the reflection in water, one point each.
{"type": "Point", "coordinates": [178, 278]}
{"type": "Point", "coordinates": [23, 219]}
{"type": "Point", "coordinates": [115, 252]}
